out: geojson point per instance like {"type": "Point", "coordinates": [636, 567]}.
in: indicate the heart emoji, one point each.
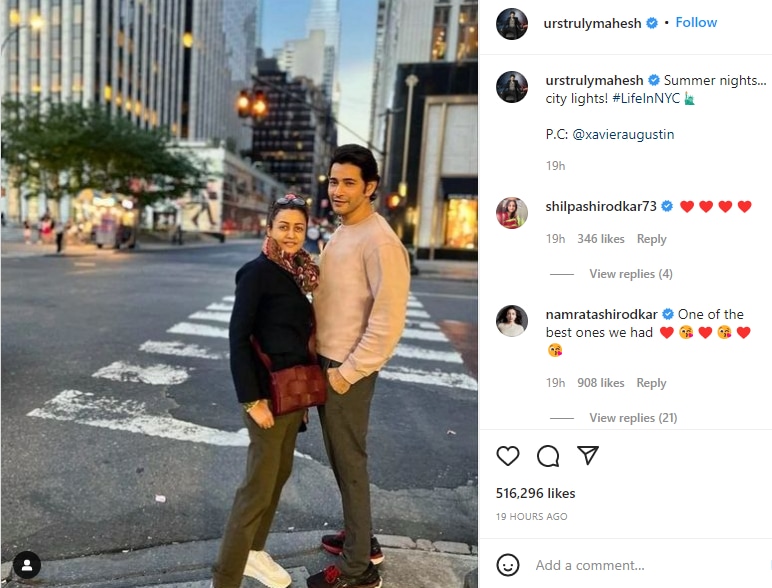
{"type": "Point", "coordinates": [687, 205]}
{"type": "Point", "coordinates": [743, 331]}
{"type": "Point", "coordinates": [744, 205]}
{"type": "Point", "coordinates": [666, 332]}
{"type": "Point", "coordinates": [725, 205]}
{"type": "Point", "coordinates": [508, 455]}
{"type": "Point", "coordinates": [706, 205]}
{"type": "Point", "coordinates": [706, 331]}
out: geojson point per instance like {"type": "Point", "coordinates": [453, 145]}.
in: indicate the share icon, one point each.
{"type": "Point", "coordinates": [588, 451]}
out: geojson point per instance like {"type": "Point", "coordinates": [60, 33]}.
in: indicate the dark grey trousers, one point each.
{"type": "Point", "coordinates": [269, 464]}
{"type": "Point", "coordinates": [345, 419]}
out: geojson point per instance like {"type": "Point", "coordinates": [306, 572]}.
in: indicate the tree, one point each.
{"type": "Point", "coordinates": [61, 148]}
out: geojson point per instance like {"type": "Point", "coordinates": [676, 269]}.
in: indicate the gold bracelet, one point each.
{"type": "Point", "coordinates": [250, 405]}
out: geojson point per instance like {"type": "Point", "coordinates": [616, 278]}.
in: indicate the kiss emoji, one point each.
{"type": "Point", "coordinates": [686, 332]}
{"type": "Point", "coordinates": [724, 332]}
{"type": "Point", "coordinates": [555, 349]}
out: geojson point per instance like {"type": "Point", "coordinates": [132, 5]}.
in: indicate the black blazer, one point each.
{"type": "Point", "coordinates": [270, 306]}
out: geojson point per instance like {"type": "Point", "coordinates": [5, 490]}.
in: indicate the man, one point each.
{"type": "Point", "coordinates": [360, 308]}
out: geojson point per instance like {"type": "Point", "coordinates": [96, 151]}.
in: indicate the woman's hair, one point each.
{"type": "Point", "coordinates": [502, 316]}
{"type": "Point", "coordinates": [288, 202]}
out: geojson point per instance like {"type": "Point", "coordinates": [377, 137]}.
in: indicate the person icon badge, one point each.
{"type": "Point", "coordinates": [26, 565]}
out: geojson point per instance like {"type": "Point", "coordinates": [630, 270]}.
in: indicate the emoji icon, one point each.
{"type": "Point", "coordinates": [724, 332]}
{"type": "Point", "coordinates": [686, 332]}
{"type": "Point", "coordinates": [555, 349]}
{"type": "Point", "coordinates": [689, 99]}
{"type": "Point", "coordinates": [743, 331]}
{"type": "Point", "coordinates": [508, 565]}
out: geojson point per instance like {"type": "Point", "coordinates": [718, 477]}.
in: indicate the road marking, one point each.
{"type": "Point", "coordinates": [198, 330]}
{"type": "Point", "coordinates": [84, 408]}
{"type": "Point", "coordinates": [414, 304]}
{"type": "Point", "coordinates": [434, 378]}
{"type": "Point", "coordinates": [414, 313]}
{"type": "Point", "coordinates": [158, 375]}
{"type": "Point", "coordinates": [230, 299]}
{"type": "Point", "coordinates": [423, 325]}
{"type": "Point", "coordinates": [427, 354]}
{"type": "Point", "coordinates": [180, 349]}
{"type": "Point", "coordinates": [84, 264]}
{"type": "Point", "coordinates": [222, 317]}
{"type": "Point", "coordinates": [439, 295]}
{"type": "Point", "coordinates": [218, 306]}
{"type": "Point", "coordinates": [424, 335]}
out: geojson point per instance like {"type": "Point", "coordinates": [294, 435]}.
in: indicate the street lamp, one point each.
{"type": "Point", "coordinates": [36, 23]}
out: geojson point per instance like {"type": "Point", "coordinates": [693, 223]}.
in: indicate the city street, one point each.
{"type": "Point", "coordinates": [120, 427]}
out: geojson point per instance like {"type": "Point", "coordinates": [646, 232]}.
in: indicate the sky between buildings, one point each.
{"type": "Point", "coordinates": [284, 20]}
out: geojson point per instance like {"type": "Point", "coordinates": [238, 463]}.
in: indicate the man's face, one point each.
{"type": "Point", "coordinates": [348, 192]}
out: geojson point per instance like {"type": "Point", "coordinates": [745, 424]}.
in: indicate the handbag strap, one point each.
{"type": "Point", "coordinates": [311, 345]}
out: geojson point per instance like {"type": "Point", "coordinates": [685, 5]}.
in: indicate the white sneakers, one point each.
{"type": "Point", "coordinates": [262, 568]}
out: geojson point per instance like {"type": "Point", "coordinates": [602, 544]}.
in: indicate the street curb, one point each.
{"type": "Point", "coordinates": [189, 562]}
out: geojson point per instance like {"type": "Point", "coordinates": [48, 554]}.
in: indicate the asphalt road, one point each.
{"type": "Point", "coordinates": [120, 428]}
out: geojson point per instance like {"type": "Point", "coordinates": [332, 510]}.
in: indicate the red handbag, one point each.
{"type": "Point", "coordinates": [297, 387]}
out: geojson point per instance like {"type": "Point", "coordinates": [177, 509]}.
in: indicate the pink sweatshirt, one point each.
{"type": "Point", "coordinates": [361, 300]}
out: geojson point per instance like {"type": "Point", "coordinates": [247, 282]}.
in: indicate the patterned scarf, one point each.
{"type": "Point", "coordinates": [300, 265]}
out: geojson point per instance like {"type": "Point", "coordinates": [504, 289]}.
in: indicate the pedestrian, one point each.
{"type": "Point", "coordinates": [360, 308]}
{"type": "Point", "coordinates": [27, 232]}
{"type": "Point", "coordinates": [271, 304]}
{"type": "Point", "coordinates": [59, 232]}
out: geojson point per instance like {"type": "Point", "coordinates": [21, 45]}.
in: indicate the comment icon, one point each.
{"type": "Point", "coordinates": [548, 456]}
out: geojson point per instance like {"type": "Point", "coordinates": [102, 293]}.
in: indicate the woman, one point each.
{"type": "Point", "coordinates": [509, 322]}
{"type": "Point", "coordinates": [271, 304]}
{"type": "Point", "coordinates": [508, 216]}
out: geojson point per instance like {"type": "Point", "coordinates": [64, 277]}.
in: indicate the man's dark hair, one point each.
{"type": "Point", "coordinates": [360, 157]}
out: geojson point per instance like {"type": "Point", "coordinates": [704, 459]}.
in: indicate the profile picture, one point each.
{"type": "Point", "coordinates": [512, 24]}
{"type": "Point", "coordinates": [511, 86]}
{"type": "Point", "coordinates": [512, 213]}
{"type": "Point", "coordinates": [512, 321]}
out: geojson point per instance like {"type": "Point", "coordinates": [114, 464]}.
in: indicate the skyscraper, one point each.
{"type": "Point", "coordinates": [325, 15]}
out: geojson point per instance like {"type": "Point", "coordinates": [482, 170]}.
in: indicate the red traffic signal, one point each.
{"type": "Point", "coordinates": [242, 104]}
{"type": "Point", "coordinates": [259, 105]}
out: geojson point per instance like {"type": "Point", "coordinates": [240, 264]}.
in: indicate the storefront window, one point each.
{"type": "Point", "coordinates": [461, 223]}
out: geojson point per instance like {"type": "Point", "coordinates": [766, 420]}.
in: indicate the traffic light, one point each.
{"type": "Point", "coordinates": [259, 105]}
{"type": "Point", "coordinates": [242, 104]}
{"type": "Point", "coordinates": [393, 201]}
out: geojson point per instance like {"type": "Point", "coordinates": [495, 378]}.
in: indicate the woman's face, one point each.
{"type": "Point", "coordinates": [289, 230]}
{"type": "Point", "coordinates": [511, 315]}
{"type": "Point", "coordinates": [511, 206]}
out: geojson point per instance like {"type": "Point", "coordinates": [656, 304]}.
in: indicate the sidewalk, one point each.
{"type": "Point", "coordinates": [407, 564]}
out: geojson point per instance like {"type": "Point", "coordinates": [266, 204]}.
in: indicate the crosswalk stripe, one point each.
{"type": "Point", "coordinates": [424, 335]}
{"type": "Point", "coordinates": [414, 304]}
{"type": "Point", "coordinates": [222, 317]}
{"type": "Point", "coordinates": [219, 306]}
{"type": "Point", "coordinates": [427, 354]}
{"type": "Point", "coordinates": [198, 330]}
{"type": "Point", "coordinates": [415, 313]}
{"type": "Point", "coordinates": [86, 409]}
{"type": "Point", "coordinates": [158, 374]}
{"type": "Point", "coordinates": [435, 378]}
{"type": "Point", "coordinates": [423, 325]}
{"type": "Point", "coordinates": [180, 349]}
{"type": "Point", "coordinates": [230, 299]}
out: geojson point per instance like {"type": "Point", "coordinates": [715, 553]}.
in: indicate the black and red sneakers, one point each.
{"type": "Point", "coordinates": [334, 544]}
{"type": "Point", "coordinates": [332, 577]}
